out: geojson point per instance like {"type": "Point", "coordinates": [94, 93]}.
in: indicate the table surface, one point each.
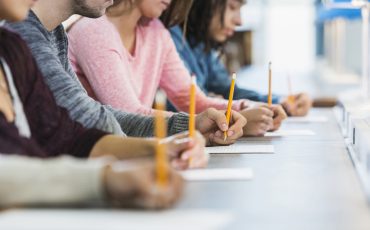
{"type": "Point", "coordinates": [309, 183]}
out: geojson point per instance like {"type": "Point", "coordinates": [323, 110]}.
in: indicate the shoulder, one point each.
{"type": "Point", "coordinates": [88, 29]}
{"type": "Point", "coordinates": [9, 34]}
{"type": "Point", "coordinates": [29, 29]}
{"type": "Point", "coordinates": [176, 33]}
{"type": "Point", "coordinates": [12, 42]}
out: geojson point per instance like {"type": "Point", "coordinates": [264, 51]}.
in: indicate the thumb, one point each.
{"type": "Point", "coordinates": [181, 145]}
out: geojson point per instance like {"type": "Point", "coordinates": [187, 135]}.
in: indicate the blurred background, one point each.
{"type": "Point", "coordinates": [319, 40]}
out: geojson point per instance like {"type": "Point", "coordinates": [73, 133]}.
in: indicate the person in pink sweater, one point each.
{"type": "Point", "coordinates": [124, 57]}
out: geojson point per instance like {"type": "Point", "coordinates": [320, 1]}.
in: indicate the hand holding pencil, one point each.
{"type": "Point", "coordinates": [230, 103]}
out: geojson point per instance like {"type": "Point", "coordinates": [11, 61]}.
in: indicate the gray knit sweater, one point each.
{"type": "Point", "coordinates": [50, 51]}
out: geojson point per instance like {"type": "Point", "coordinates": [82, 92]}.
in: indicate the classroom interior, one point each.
{"type": "Point", "coordinates": [312, 173]}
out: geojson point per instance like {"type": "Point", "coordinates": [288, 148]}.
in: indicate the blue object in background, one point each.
{"type": "Point", "coordinates": [325, 14]}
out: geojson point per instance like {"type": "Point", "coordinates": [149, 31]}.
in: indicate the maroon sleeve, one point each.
{"type": "Point", "coordinates": [51, 127]}
{"type": "Point", "coordinates": [12, 143]}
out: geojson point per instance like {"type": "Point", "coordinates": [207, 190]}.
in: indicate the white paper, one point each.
{"type": "Point", "coordinates": [288, 133]}
{"type": "Point", "coordinates": [218, 174]}
{"type": "Point", "coordinates": [241, 149]}
{"type": "Point", "coordinates": [307, 119]}
{"type": "Point", "coordinates": [64, 219]}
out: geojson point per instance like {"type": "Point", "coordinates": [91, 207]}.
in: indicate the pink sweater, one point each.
{"type": "Point", "coordinates": [113, 76]}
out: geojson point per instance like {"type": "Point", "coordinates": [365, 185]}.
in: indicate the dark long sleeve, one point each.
{"type": "Point", "coordinates": [218, 82]}
{"type": "Point", "coordinates": [51, 127]}
{"type": "Point", "coordinates": [12, 143]}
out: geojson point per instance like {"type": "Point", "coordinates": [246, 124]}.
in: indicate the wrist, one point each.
{"type": "Point", "coordinates": [118, 182]}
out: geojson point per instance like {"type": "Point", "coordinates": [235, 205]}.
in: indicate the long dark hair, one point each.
{"type": "Point", "coordinates": [196, 28]}
{"type": "Point", "coordinates": [176, 13]}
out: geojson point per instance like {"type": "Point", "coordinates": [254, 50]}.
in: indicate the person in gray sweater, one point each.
{"type": "Point", "coordinates": [47, 39]}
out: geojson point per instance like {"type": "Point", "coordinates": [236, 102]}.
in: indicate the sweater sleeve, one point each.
{"type": "Point", "coordinates": [12, 142]}
{"type": "Point", "coordinates": [59, 181]}
{"type": "Point", "coordinates": [218, 81]}
{"type": "Point", "coordinates": [176, 82]}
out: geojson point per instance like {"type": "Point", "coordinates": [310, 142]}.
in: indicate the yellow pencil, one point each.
{"type": "Point", "coordinates": [231, 96]}
{"type": "Point", "coordinates": [291, 98]}
{"type": "Point", "coordinates": [192, 107]}
{"type": "Point", "coordinates": [270, 86]}
{"type": "Point", "coordinates": [193, 88]}
{"type": "Point", "coordinates": [161, 132]}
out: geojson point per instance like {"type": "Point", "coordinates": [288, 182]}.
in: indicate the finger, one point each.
{"type": "Point", "coordinates": [181, 135]}
{"type": "Point", "coordinates": [180, 164]}
{"type": "Point", "coordinates": [180, 145]}
{"type": "Point", "coordinates": [302, 111]}
{"type": "Point", "coordinates": [221, 141]}
{"type": "Point", "coordinates": [276, 126]}
{"type": "Point", "coordinates": [302, 101]}
{"type": "Point", "coordinates": [238, 122]}
{"type": "Point", "coordinates": [267, 111]}
{"type": "Point", "coordinates": [219, 118]}
{"type": "Point", "coordinates": [267, 120]}
{"type": "Point", "coordinates": [287, 108]}
{"type": "Point", "coordinates": [280, 113]}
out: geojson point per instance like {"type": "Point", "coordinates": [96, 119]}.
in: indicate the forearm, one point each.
{"type": "Point", "coordinates": [123, 148]}
{"type": "Point", "coordinates": [241, 93]}
{"type": "Point", "coordinates": [61, 181]}
{"type": "Point", "coordinates": [135, 125]}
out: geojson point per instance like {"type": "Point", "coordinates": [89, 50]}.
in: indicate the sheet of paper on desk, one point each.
{"type": "Point", "coordinates": [292, 132]}
{"type": "Point", "coordinates": [218, 174]}
{"type": "Point", "coordinates": [70, 219]}
{"type": "Point", "coordinates": [307, 119]}
{"type": "Point", "coordinates": [240, 149]}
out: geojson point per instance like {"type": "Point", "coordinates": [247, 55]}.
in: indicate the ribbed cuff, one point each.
{"type": "Point", "coordinates": [178, 123]}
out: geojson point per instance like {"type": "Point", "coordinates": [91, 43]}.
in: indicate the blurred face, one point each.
{"type": "Point", "coordinates": [15, 10]}
{"type": "Point", "coordinates": [220, 33]}
{"type": "Point", "coordinates": [91, 8]}
{"type": "Point", "coordinates": [153, 8]}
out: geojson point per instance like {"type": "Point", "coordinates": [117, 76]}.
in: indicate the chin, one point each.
{"type": "Point", "coordinates": [221, 39]}
{"type": "Point", "coordinates": [18, 17]}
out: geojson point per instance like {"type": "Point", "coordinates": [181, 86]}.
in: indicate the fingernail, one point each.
{"type": "Point", "coordinates": [218, 134]}
{"type": "Point", "coordinates": [230, 133]}
{"type": "Point", "coordinates": [224, 127]}
{"type": "Point", "coordinates": [185, 156]}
